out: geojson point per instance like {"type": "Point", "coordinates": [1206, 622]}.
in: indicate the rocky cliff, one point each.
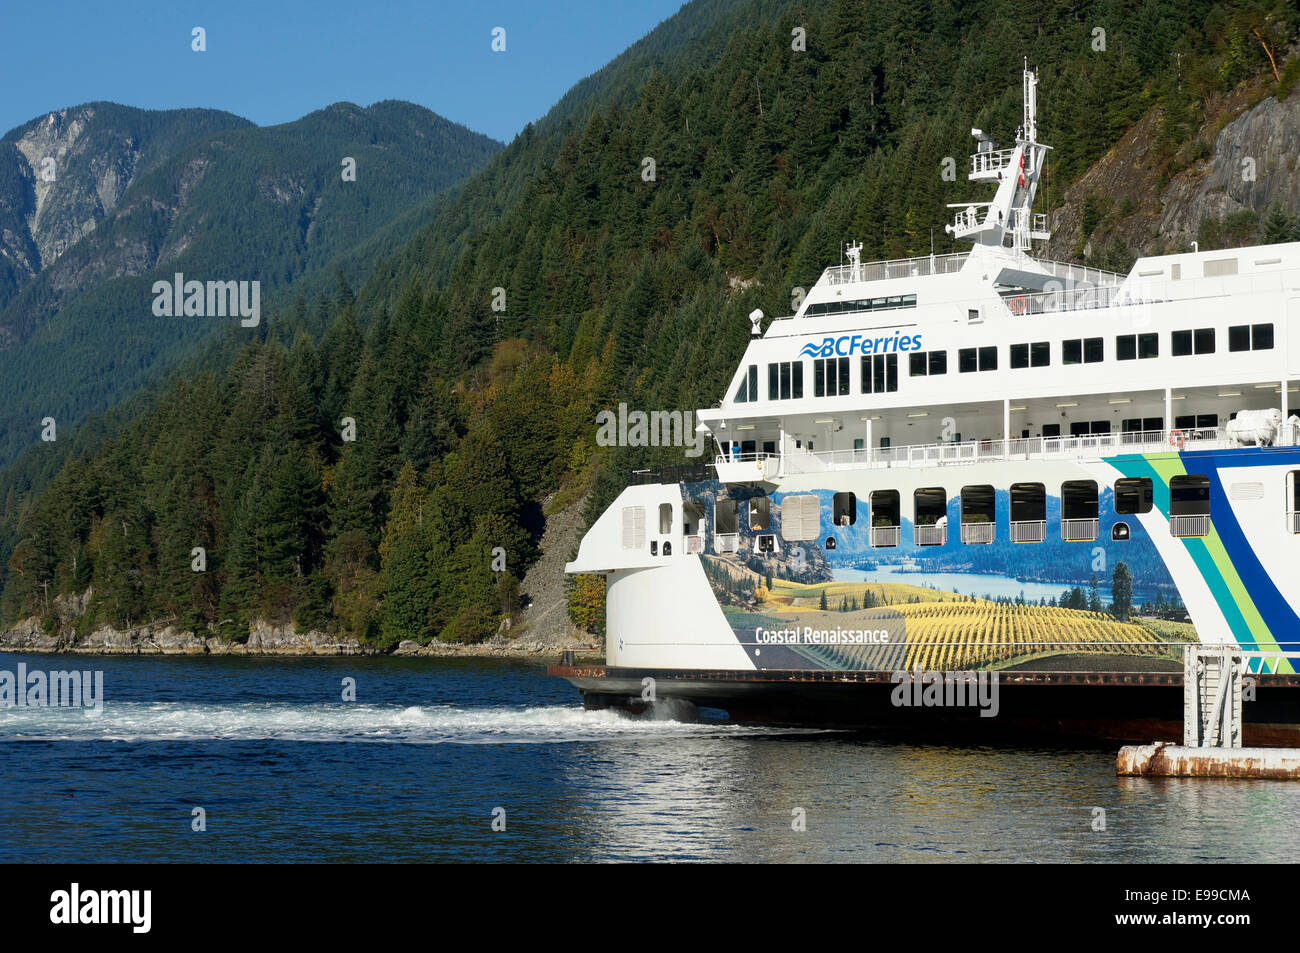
{"type": "Point", "coordinates": [1245, 155]}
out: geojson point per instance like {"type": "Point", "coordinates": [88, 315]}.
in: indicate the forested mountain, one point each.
{"type": "Point", "coordinates": [615, 286]}
{"type": "Point", "coordinates": [238, 203]}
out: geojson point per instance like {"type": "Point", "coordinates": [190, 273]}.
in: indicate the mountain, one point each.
{"type": "Point", "coordinates": [141, 196]}
{"type": "Point", "coordinates": [391, 480]}
{"type": "Point", "coordinates": [62, 174]}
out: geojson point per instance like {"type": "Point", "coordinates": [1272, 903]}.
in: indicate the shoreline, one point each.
{"type": "Point", "coordinates": [270, 641]}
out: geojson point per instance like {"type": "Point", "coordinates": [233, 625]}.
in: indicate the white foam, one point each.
{"type": "Point", "coordinates": [434, 724]}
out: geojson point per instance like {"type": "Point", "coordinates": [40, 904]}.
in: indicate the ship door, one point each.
{"type": "Point", "coordinates": [1293, 336]}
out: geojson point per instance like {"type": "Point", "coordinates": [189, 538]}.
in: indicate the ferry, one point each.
{"type": "Point", "coordinates": [1041, 473]}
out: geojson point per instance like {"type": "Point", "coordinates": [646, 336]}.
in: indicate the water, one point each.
{"type": "Point", "coordinates": [413, 770]}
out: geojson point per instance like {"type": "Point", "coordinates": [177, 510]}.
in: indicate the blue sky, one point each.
{"type": "Point", "coordinates": [276, 60]}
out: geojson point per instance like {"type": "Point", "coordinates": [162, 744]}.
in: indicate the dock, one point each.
{"type": "Point", "coordinates": [1213, 682]}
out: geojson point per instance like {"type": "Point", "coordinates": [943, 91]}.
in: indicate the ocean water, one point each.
{"type": "Point", "coordinates": [418, 767]}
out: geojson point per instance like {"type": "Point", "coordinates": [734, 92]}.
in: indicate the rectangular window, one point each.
{"type": "Point", "coordinates": [879, 373]}
{"type": "Point", "coordinates": [989, 358]}
{"type": "Point", "coordinates": [923, 363]}
{"type": "Point", "coordinates": [830, 376]}
{"type": "Point", "coordinates": [1072, 352]}
{"type": "Point", "coordinates": [785, 380]}
{"type": "Point", "coordinates": [1239, 338]}
{"type": "Point", "coordinates": [967, 361]}
{"type": "Point", "coordinates": [1129, 347]}
{"type": "Point", "coordinates": [1180, 343]}
{"type": "Point", "coordinates": [1204, 340]}
{"type": "Point", "coordinates": [1040, 354]}
{"type": "Point", "coordinates": [1133, 495]}
{"type": "Point", "coordinates": [1019, 356]}
{"type": "Point", "coordinates": [1092, 350]}
{"type": "Point", "coordinates": [1261, 337]}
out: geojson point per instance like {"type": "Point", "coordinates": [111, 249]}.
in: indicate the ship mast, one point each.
{"type": "Point", "coordinates": [1008, 221]}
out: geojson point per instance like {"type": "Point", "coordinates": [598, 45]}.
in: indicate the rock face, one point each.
{"type": "Point", "coordinates": [1254, 162]}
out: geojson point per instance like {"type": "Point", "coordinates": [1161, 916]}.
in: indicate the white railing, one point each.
{"type": "Point", "coordinates": [990, 163]}
{"type": "Point", "coordinates": [1293, 521]}
{"type": "Point", "coordinates": [1189, 525]}
{"type": "Point", "coordinates": [1090, 447]}
{"type": "Point", "coordinates": [978, 532]}
{"type": "Point", "coordinates": [885, 535]}
{"type": "Point", "coordinates": [1078, 273]}
{"type": "Point", "coordinates": [930, 535]}
{"type": "Point", "coordinates": [1028, 531]}
{"type": "Point", "coordinates": [1077, 531]}
{"type": "Point", "coordinates": [897, 268]}
{"type": "Point", "coordinates": [694, 544]}
{"type": "Point", "coordinates": [727, 542]}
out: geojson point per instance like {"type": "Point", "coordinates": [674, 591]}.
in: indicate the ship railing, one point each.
{"type": "Point", "coordinates": [1293, 522]}
{"type": "Point", "coordinates": [885, 535]}
{"type": "Point", "coordinates": [1079, 530]}
{"type": "Point", "coordinates": [932, 535]}
{"type": "Point", "coordinates": [1079, 274]}
{"type": "Point", "coordinates": [987, 163]}
{"type": "Point", "coordinates": [1193, 525]}
{"type": "Point", "coordinates": [978, 532]}
{"type": "Point", "coordinates": [1075, 299]}
{"type": "Point", "coordinates": [727, 542]}
{"type": "Point", "coordinates": [897, 268]}
{"type": "Point", "coordinates": [1028, 531]}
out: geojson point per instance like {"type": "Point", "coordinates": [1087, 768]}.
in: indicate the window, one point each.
{"type": "Point", "coordinates": [977, 359]}
{"type": "Point", "coordinates": [1130, 347]}
{"type": "Point", "coordinates": [692, 517]}
{"type": "Point", "coordinates": [1079, 510]}
{"type": "Point", "coordinates": [845, 509]}
{"type": "Point", "coordinates": [1082, 351]}
{"type": "Point", "coordinates": [1250, 337]}
{"type": "Point", "coordinates": [929, 363]}
{"type": "Point", "coordinates": [760, 513]}
{"type": "Point", "coordinates": [1133, 495]}
{"type": "Point", "coordinates": [801, 517]}
{"type": "Point", "coordinates": [861, 304]}
{"type": "Point", "coordinates": [1200, 341]}
{"type": "Point", "coordinates": [978, 514]}
{"type": "Point", "coordinates": [1189, 505]}
{"type": "Point", "coordinates": [785, 380]}
{"type": "Point", "coordinates": [665, 519]}
{"type": "Point", "coordinates": [1038, 354]}
{"type": "Point", "coordinates": [748, 389]}
{"type": "Point", "coordinates": [930, 527]}
{"type": "Point", "coordinates": [879, 373]}
{"type": "Point", "coordinates": [1028, 513]}
{"type": "Point", "coordinates": [886, 516]}
{"type": "Point", "coordinates": [831, 376]}
{"type": "Point", "coordinates": [726, 517]}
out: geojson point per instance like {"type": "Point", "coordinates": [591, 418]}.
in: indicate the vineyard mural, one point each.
{"type": "Point", "coordinates": [1106, 603]}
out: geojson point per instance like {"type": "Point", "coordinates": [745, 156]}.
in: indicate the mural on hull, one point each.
{"type": "Point", "coordinates": [927, 599]}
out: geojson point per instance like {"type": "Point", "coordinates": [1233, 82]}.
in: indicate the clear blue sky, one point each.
{"type": "Point", "coordinates": [273, 61]}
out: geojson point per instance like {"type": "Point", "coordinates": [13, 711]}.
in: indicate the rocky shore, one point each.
{"type": "Point", "coordinates": [263, 639]}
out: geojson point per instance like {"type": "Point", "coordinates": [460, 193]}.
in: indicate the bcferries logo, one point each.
{"type": "Point", "coordinates": [849, 344]}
